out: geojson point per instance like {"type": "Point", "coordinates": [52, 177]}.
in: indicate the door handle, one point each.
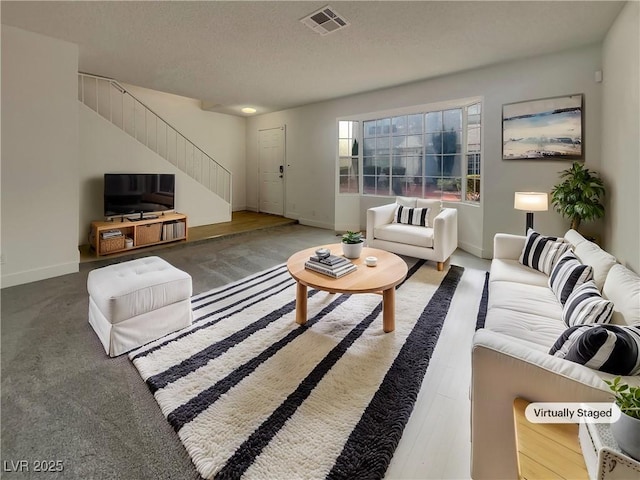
{"type": "Point", "coordinates": [281, 168]}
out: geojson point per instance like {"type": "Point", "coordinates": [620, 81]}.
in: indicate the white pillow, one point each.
{"type": "Point", "coordinates": [567, 274]}
{"type": "Point", "coordinates": [585, 306]}
{"type": "Point", "coordinates": [609, 348]}
{"type": "Point", "coordinates": [541, 253]}
{"type": "Point", "coordinates": [411, 216]}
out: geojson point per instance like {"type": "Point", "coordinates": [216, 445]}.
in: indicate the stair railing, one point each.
{"type": "Point", "coordinates": [115, 103]}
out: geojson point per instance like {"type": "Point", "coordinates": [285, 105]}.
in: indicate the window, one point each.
{"type": "Point", "coordinates": [348, 157]}
{"type": "Point", "coordinates": [425, 155]}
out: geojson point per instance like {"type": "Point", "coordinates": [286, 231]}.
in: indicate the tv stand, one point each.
{"type": "Point", "coordinates": [140, 219]}
{"type": "Point", "coordinates": [145, 232]}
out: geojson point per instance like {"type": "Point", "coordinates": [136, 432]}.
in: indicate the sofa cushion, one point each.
{"type": "Point", "coordinates": [525, 326]}
{"type": "Point", "coordinates": [524, 311]}
{"type": "Point", "coordinates": [622, 287]}
{"type": "Point", "coordinates": [408, 234]}
{"type": "Point", "coordinates": [505, 270]}
{"type": "Point", "coordinates": [600, 261]}
{"type": "Point", "coordinates": [567, 274]}
{"type": "Point", "coordinates": [541, 253]}
{"type": "Point", "coordinates": [609, 348]}
{"type": "Point", "coordinates": [412, 216]}
{"type": "Point", "coordinates": [434, 206]}
{"type": "Point", "coordinates": [574, 238]}
{"type": "Point", "coordinates": [585, 306]}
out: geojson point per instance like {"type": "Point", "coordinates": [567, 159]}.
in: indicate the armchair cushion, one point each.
{"type": "Point", "coordinates": [411, 216]}
{"type": "Point", "coordinates": [434, 206]}
{"type": "Point", "coordinates": [407, 234]}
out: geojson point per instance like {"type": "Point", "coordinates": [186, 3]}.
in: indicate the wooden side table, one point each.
{"type": "Point", "coordinates": [547, 450]}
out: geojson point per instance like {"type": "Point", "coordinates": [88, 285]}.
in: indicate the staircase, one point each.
{"type": "Point", "coordinates": [114, 103]}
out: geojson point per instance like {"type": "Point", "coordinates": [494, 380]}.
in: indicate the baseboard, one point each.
{"type": "Point", "coordinates": [28, 276]}
{"type": "Point", "coordinates": [315, 223]}
{"type": "Point", "coordinates": [472, 249]}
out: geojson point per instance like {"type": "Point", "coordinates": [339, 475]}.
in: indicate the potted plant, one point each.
{"type": "Point", "coordinates": [626, 430]}
{"type": "Point", "coordinates": [352, 243]}
{"type": "Point", "coordinates": [577, 197]}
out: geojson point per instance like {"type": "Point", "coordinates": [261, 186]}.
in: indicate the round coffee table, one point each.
{"type": "Point", "coordinates": [381, 279]}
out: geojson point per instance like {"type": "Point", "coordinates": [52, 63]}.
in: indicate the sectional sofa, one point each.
{"type": "Point", "coordinates": [510, 358]}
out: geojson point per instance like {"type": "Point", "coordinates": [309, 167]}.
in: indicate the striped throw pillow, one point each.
{"type": "Point", "coordinates": [586, 306]}
{"type": "Point", "coordinates": [608, 348]}
{"type": "Point", "coordinates": [411, 216]}
{"type": "Point", "coordinates": [541, 253]}
{"type": "Point", "coordinates": [567, 274]}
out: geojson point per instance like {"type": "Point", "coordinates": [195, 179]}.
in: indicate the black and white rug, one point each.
{"type": "Point", "coordinates": [252, 394]}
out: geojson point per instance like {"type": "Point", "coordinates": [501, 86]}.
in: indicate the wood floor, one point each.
{"type": "Point", "coordinates": [241, 222]}
{"type": "Point", "coordinates": [436, 443]}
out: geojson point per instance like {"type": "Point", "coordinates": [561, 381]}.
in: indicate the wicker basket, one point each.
{"type": "Point", "coordinates": [146, 234]}
{"type": "Point", "coordinates": [112, 244]}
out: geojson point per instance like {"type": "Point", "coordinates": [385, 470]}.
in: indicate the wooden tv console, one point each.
{"type": "Point", "coordinates": [170, 227]}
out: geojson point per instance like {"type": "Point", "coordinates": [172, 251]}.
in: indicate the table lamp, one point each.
{"type": "Point", "coordinates": [530, 202]}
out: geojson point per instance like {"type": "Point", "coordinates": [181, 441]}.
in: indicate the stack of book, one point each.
{"type": "Point", "coordinates": [173, 230]}
{"type": "Point", "coordinates": [332, 265]}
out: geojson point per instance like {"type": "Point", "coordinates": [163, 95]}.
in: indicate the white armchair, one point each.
{"type": "Point", "coordinates": [436, 242]}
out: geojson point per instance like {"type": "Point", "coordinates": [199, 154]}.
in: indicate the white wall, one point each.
{"type": "Point", "coordinates": [311, 144]}
{"type": "Point", "coordinates": [39, 157]}
{"type": "Point", "coordinates": [105, 148]}
{"type": "Point", "coordinates": [220, 136]}
{"type": "Point", "coordinates": [620, 138]}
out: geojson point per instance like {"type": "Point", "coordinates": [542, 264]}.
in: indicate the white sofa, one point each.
{"type": "Point", "coordinates": [435, 242]}
{"type": "Point", "coordinates": [510, 354]}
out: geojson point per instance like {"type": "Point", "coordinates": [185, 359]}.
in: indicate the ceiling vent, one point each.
{"type": "Point", "coordinates": [325, 21]}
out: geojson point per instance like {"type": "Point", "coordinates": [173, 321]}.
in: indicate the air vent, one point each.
{"type": "Point", "coordinates": [325, 21]}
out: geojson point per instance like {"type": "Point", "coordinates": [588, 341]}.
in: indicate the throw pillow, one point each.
{"type": "Point", "coordinates": [541, 253]}
{"type": "Point", "coordinates": [609, 348]}
{"type": "Point", "coordinates": [411, 216]}
{"type": "Point", "coordinates": [585, 306]}
{"type": "Point", "coordinates": [567, 274]}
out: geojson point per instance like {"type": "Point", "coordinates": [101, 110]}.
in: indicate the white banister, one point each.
{"type": "Point", "coordinates": [222, 186]}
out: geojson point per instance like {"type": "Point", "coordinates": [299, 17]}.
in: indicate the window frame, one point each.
{"type": "Point", "coordinates": [423, 109]}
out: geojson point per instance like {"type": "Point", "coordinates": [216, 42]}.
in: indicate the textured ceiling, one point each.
{"type": "Point", "coordinates": [239, 53]}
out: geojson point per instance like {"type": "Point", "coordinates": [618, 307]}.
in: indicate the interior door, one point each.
{"type": "Point", "coordinates": [271, 170]}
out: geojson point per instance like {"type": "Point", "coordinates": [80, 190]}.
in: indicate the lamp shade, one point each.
{"type": "Point", "coordinates": [531, 201]}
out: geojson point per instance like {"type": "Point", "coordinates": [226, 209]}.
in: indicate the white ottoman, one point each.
{"type": "Point", "coordinates": [133, 303]}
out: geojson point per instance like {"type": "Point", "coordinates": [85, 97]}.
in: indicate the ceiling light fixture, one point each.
{"type": "Point", "coordinates": [248, 110]}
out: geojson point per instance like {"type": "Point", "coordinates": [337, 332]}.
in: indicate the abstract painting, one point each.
{"type": "Point", "coordinates": [549, 128]}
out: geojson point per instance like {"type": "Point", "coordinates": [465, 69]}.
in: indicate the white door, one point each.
{"type": "Point", "coordinates": [271, 170]}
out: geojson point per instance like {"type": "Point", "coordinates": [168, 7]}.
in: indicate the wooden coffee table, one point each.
{"type": "Point", "coordinates": [381, 279]}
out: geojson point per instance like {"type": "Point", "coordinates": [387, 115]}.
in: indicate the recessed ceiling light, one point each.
{"type": "Point", "coordinates": [248, 110]}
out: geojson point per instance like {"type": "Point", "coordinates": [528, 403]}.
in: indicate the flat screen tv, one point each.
{"type": "Point", "coordinates": [130, 193]}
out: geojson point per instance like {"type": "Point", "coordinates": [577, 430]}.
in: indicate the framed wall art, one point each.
{"type": "Point", "coordinates": [548, 128]}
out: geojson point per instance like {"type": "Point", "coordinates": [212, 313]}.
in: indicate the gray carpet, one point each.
{"type": "Point", "coordinates": [64, 399]}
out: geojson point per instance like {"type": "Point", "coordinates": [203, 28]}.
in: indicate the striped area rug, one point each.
{"type": "Point", "coordinates": [252, 394]}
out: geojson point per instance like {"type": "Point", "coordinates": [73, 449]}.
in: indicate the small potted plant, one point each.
{"type": "Point", "coordinates": [626, 430]}
{"type": "Point", "coordinates": [577, 197]}
{"type": "Point", "coordinates": [352, 244]}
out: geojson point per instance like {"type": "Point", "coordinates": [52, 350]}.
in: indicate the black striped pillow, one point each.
{"type": "Point", "coordinates": [567, 274]}
{"type": "Point", "coordinates": [586, 306]}
{"type": "Point", "coordinates": [608, 348]}
{"type": "Point", "coordinates": [411, 216]}
{"type": "Point", "coordinates": [542, 252]}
